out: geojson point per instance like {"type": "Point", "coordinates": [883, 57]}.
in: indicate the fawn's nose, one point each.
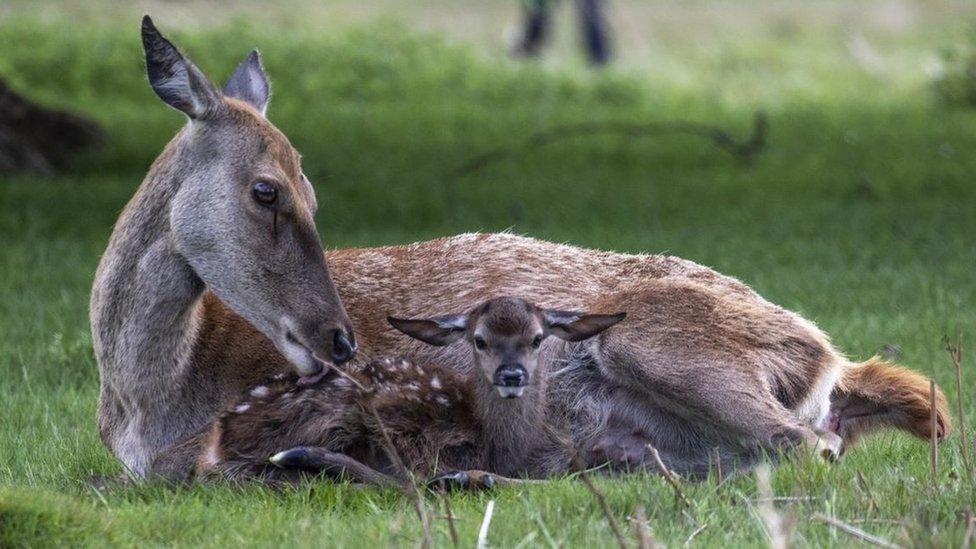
{"type": "Point", "coordinates": [343, 346]}
{"type": "Point", "coordinates": [511, 375]}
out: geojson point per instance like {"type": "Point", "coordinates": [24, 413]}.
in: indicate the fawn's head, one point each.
{"type": "Point", "coordinates": [242, 212]}
{"type": "Point", "coordinates": [505, 335]}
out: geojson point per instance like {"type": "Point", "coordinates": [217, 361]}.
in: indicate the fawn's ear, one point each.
{"type": "Point", "coordinates": [439, 330]}
{"type": "Point", "coordinates": [249, 83]}
{"type": "Point", "coordinates": [574, 326]}
{"type": "Point", "coordinates": [175, 79]}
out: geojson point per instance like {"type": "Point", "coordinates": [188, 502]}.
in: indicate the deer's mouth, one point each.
{"type": "Point", "coordinates": [508, 391]}
{"type": "Point", "coordinates": [309, 367]}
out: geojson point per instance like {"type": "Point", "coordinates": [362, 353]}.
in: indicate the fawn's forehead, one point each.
{"type": "Point", "coordinates": [508, 317]}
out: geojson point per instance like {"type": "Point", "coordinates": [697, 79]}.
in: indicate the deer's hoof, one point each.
{"type": "Point", "coordinates": [829, 446]}
{"type": "Point", "coordinates": [461, 480]}
{"type": "Point", "coordinates": [293, 458]}
{"type": "Point", "coordinates": [450, 481]}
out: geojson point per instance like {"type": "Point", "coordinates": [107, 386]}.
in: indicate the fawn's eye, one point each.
{"type": "Point", "coordinates": [536, 342]}
{"type": "Point", "coordinates": [479, 343]}
{"type": "Point", "coordinates": [264, 192]}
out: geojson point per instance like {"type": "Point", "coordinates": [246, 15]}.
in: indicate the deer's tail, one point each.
{"type": "Point", "coordinates": [875, 394]}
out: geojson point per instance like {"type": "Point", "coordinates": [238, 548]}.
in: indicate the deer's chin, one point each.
{"type": "Point", "coordinates": [309, 367]}
{"type": "Point", "coordinates": [510, 392]}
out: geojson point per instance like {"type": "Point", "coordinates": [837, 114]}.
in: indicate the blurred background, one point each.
{"type": "Point", "coordinates": [820, 150]}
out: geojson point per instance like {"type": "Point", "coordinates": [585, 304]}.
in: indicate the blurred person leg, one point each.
{"type": "Point", "coordinates": [595, 30]}
{"type": "Point", "coordinates": [537, 15]}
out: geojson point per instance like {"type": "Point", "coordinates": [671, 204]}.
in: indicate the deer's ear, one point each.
{"type": "Point", "coordinates": [574, 326]}
{"type": "Point", "coordinates": [439, 330]}
{"type": "Point", "coordinates": [175, 79]}
{"type": "Point", "coordinates": [249, 83]}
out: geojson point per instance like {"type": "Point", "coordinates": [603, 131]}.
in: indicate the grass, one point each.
{"type": "Point", "coordinates": [859, 214]}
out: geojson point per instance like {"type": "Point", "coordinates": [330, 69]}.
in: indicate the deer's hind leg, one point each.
{"type": "Point", "coordinates": [722, 360]}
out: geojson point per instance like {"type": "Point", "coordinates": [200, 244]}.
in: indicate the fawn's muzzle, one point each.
{"type": "Point", "coordinates": [510, 380]}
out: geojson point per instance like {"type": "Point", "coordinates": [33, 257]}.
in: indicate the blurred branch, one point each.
{"type": "Point", "coordinates": [743, 151]}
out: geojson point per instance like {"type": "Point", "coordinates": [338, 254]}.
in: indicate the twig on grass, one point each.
{"type": "Point", "coordinates": [669, 476]}
{"type": "Point", "coordinates": [955, 354]}
{"type": "Point", "coordinates": [485, 523]}
{"type": "Point", "coordinates": [778, 527]}
{"type": "Point", "coordinates": [601, 500]}
{"type": "Point", "coordinates": [639, 522]}
{"type": "Point", "coordinates": [854, 531]}
{"type": "Point", "coordinates": [784, 499]}
{"type": "Point", "coordinates": [744, 151]}
{"type": "Point", "coordinates": [934, 437]}
{"type": "Point", "coordinates": [695, 533]}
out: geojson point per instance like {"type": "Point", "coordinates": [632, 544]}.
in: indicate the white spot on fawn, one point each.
{"type": "Point", "coordinates": [260, 391]}
{"type": "Point", "coordinates": [435, 382]}
{"type": "Point", "coordinates": [442, 400]}
{"type": "Point", "coordinates": [241, 408]}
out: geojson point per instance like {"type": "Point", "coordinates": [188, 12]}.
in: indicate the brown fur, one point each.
{"type": "Point", "coordinates": [876, 393]}
{"type": "Point", "coordinates": [696, 345]}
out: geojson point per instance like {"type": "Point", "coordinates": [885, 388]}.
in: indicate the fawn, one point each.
{"type": "Point", "coordinates": [371, 421]}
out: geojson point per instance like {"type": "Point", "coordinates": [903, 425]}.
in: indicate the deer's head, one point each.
{"type": "Point", "coordinates": [242, 211]}
{"type": "Point", "coordinates": [505, 335]}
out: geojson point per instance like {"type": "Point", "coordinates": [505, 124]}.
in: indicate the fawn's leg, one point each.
{"type": "Point", "coordinates": [473, 480]}
{"type": "Point", "coordinates": [321, 460]}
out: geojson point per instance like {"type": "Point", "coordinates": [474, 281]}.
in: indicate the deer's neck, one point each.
{"type": "Point", "coordinates": [145, 310]}
{"type": "Point", "coordinates": [512, 428]}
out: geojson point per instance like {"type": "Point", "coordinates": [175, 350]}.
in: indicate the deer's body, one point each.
{"type": "Point", "coordinates": [214, 278]}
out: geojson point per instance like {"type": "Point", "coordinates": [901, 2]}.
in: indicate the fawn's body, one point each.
{"type": "Point", "coordinates": [390, 413]}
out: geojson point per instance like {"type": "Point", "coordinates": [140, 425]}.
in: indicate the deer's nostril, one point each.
{"type": "Point", "coordinates": [343, 349]}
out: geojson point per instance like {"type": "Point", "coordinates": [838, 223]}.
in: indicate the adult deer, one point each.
{"type": "Point", "coordinates": [225, 214]}
{"type": "Point", "coordinates": [213, 279]}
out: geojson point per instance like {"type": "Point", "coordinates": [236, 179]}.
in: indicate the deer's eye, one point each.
{"type": "Point", "coordinates": [536, 342]}
{"type": "Point", "coordinates": [479, 343]}
{"type": "Point", "coordinates": [264, 193]}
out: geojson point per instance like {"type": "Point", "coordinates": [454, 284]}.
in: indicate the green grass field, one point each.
{"type": "Point", "coordinates": [860, 213]}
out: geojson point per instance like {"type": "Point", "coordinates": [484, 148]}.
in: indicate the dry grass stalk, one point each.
{"type": "Point", "coordinates": [778, 527]}
{"type": "Point", "coordinates": [863, 485]}
{"type": "Point", "coordinates": [716, 459]}
{"type": "Point", "coordinates": [412, 490]}
{"type": "Point", "coordinates": [485, 523]}
{"type": "Point", "coordinates": [854, 531]}
{"type": "Point", "coordinates": [644, 539]}
{"type": "Point", "coordinates": [967, 538]}
{"type": "Point", "coordinates": [669, 476]}
{"type": "Point", "coordinates": [934, 440]}
{"type": "Point", "coordinates": [955, 354]}
{"type": "Point", "coordinates": [449, 516]}
{"type": "Point", "coordinates": [602, 501]}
